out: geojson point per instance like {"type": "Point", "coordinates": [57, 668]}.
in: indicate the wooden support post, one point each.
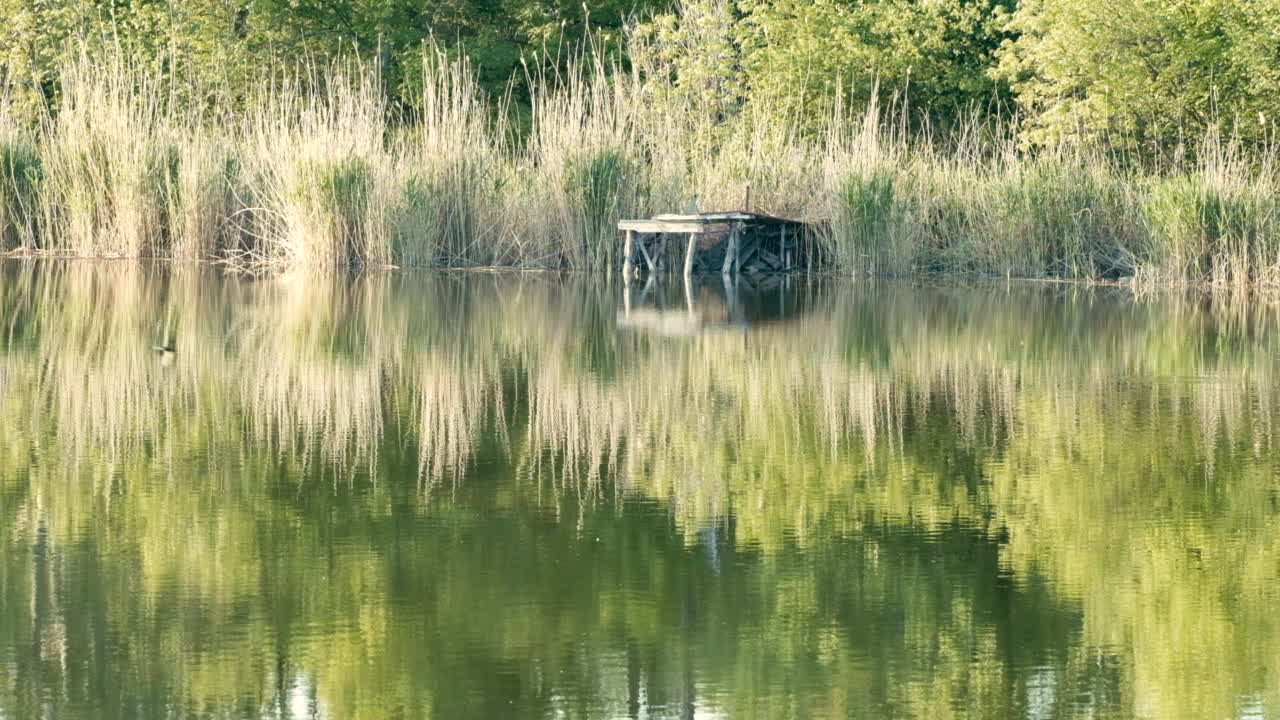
{"type": "Point", "coordinates": [653, 268]}
{"type": "Point", "coordinates": [730, 252]}
{"type": "Point", "coordinates": [688, 254]}
{"type": "Point", "coordinates": [626, 256]}
{"type": "Point", "coordinates": [739, 229]}
{"type": "Point", "coordinates": [782, 248]}
{"type": "Point", "coordinates": [747, 249]}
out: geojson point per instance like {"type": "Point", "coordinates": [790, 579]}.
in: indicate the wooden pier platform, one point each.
{"type": "Point", "coordinates": [728, 243]}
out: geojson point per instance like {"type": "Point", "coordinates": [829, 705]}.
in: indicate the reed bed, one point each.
{"type": "Point", "coordinates": [317, 171]}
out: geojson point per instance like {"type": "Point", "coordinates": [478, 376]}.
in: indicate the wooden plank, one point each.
{"type": "Point", "coordinates": [720, 241]}
{"type": "Point", "coordinates": [706, 217]}
{"type": "Point", "coordinates": [768, 258]}
{"type": "Point", "coordinates": [744, 259]}
{"type": "Point", "coordinates": [662, 226]}
{"type": "Point", "coordinates": [708, 260]}
{"type": "Point", "coordinates": [712, 218]}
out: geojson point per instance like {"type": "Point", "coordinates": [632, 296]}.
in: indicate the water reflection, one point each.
{"type": "Point", "coordinates": [454, 496]}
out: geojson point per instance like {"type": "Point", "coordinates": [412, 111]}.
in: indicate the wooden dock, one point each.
{"type": "Point", "coordinates": [728, 243]}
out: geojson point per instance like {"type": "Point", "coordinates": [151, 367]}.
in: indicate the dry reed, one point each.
{"type": "Point", "coordinates": [318, 172]}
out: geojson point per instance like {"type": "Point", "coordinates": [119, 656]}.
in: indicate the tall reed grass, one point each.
{"type": "Point", "coordinates": [317, 171]}
{"type": "Point", "coordinates": [1217, 224]}
{"type": "Point", "coordinates": [109, 157]}
{"type": "Point", "coordinates": [452, 169]}
{"type": "Point", "coordinates": [20, 173]}
{"type": "Point", "coordinates": [320, 175]}
{"type": "Point", "coordinates": [976, 205]}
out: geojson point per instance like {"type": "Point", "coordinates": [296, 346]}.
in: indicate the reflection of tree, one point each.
{"type": "Point", "coordinates": [431, 496]}
{"type": "Point", "coordinates": [1181, 576]}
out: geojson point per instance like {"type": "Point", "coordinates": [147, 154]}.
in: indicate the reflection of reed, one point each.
{"type": "Point", "coordinates": [268, 374]}
{"type": "Point", "coordinates": [313, 357]}
{"type": "Point", "coordinates": [328, 370]}
{"type": "Point", "coordinates": [451, 411]}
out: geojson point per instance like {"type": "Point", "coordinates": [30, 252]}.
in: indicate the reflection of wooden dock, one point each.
{"type": "Point", "coordinates": [728, 243]}
{"type": "Point", "coordinates": [731, 305]}
{"type": "Point", "coordinates": [672, 323]}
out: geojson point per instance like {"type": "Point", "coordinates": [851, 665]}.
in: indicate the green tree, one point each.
{"type": "Point", "coordinates": [1143, 71]}
{"type": "Point", "coordinates": [234, 40]}
{"type": "Point", "coordinates": [935, 53]}
{"type": "Point", "coordinates": [798, 56]}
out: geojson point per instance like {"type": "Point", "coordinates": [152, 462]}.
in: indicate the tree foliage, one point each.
{"type": "Point", "coordinates": [233, 40]}
{"type": "Point", "coordinates": [800, 56]}
{"type": "Point", "coordinates": [1149, 71]}
{"type": "Point", "coordinates": [936, 53]}
{"type": "Point", "coordinates": [1135, 72]}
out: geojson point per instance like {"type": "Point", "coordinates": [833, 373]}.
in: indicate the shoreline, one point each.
{"type": "Point", "coordinates": [932, 279]}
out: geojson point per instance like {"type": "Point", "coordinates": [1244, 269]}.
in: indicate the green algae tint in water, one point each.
{"type": "Point", "coordinates": [423, 496]}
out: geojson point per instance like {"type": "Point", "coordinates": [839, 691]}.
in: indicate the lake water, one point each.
{"type": "Point", "coordinates": [486, 496]}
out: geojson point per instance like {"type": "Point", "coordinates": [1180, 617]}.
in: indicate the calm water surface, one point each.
{"type": "Point", "coordinates": [425, 496]}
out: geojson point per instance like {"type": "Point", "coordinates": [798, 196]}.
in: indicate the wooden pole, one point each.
{"type": "Point", "coordinates": [786, 254]}
{"type": "Point", "coordinates": [731, 252]}
{"type": "Point", "coordinates": [740, 229]}
{"type": "Point", "coordinates": [648, 289]}
{"type": "Point", "coordinates": [626, 256]}
{"type": "Point", "coordinates": [688, 254]}
{"type": "Point", "coordinates": [653, 268]}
